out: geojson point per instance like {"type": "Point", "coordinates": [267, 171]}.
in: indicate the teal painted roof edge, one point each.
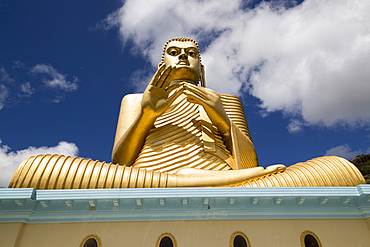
{"type": "Point", "coordinates": [36, 206]}
{"type": "Point", "coordinates": [214, 192]}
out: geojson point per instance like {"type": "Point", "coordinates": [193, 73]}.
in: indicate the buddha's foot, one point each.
{"type": "Point", "coordinates": [196, 177]}
{"type": "Point", "coordinates": [273, 169]}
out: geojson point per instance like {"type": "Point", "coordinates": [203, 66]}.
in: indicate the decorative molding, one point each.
{"type": "Point", "coordinates": [139, 204]}
{"type": "Point", "coordinates": [193, 192]}
{"type": "Point", "coordinates": [20, 203]}
{"type": "Point", "coordinates": [206, 201]}
{"type": "Point", "coordinates": [254, 201]}
{"type": "Point", "coordinates": [115, 204]}
{"type": "Point", "coordinates": [345, 200]}
{"type": "Point", "coordinates": [278, 200]}
{"type": "Point", "coordinates": [92, 203]}
{"type": "Point", "coordinates": [183, 204]}
{"type": "Point", "coordinates": [44, 204]}
{"type": "Point", "coordinates": [69, 204]}
{"type": "Point", "coordinates": [301, 200]}
{"type": "Point", "coordinates": [162, 202]}
{"type": "Point", "coordinates": [323, 200]}
{"type": "Point", "coordinates": [185, 201]}
{"type": "Point", "coordinates": [231, 201]}
{"type": "Point", "coordinates": [23, 193]}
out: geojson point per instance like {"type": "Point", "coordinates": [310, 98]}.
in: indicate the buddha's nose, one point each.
{"type": "Point", "coordinates": [183, 56]}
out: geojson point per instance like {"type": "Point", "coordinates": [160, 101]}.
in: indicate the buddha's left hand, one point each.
{"type": "Point", "coordinates": [212, 104]}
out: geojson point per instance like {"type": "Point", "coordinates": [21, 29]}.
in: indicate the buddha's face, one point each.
{"type": "Point", "coordinates": [185, 56]}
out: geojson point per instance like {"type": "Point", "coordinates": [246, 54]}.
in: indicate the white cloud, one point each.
{"type": "Point", "coordinates": [54, 78]}
{"type": "Point", "coordinates": [10, 160]}
{"type": "Point", "coordinates": [310, 61]}
{"type": "Point", "coordinates": [17, 90]}
{"type": "Point", "coordinates": [27, 89]}
{"type": "Point", "coordinates": [295, 126]}
{"type": "Point", "coordinates": [4, 92]}
{"type": "Point", "coordinates": [4, 76]}
{"type": "Point", "coordinates": [343, 151]}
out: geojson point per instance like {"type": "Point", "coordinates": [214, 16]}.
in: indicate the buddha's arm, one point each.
{"type": "Point", "coordinates": [212, 104]}
{"type": "Point", "coordinates": [237, 140]}
{"type": "Point", "coordinates": [242, 145]}
{"type": "Point", "coordinates": [130, 143]}
{"type": "Point", "coordinates": [155, 101]}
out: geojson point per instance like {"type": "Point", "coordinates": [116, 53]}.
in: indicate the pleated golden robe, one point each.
{"type": "Point", "coordinates": [183, 137]}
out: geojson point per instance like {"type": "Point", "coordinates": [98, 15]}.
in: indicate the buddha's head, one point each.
{"type": "Point", "coordinates": [184, 54]}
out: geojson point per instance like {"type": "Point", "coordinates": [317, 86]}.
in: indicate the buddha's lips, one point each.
{"type": "Point", "coordinates": [183, 63]}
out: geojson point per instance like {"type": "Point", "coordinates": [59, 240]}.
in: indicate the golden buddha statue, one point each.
{"type": "Point", "coordinates": [178, 134]}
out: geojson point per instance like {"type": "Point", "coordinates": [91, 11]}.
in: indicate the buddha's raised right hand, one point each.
{"type": "Point", "coordinates": [156, 97]}
{"type": "Point", "coordinates": [156, 100]}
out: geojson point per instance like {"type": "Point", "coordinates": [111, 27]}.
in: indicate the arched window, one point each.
{"type": "Point", "coordinates": [166, 240]}
{"type": "Point", "coordinates": [309, 239]}
{"type": "Point", "coordinates": [91, 240]}
{"type": "Point", "coordinates": [239, 239]}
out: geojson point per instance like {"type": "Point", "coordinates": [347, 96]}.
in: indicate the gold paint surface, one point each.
{"type": "Point", "coordinates": [316, 172]}
{"type": "Point", "coordinates": [178, 134]}
{"type": "Point", "coordinates": [182, 138]}
{"type": "Point", "coordinates": [110, 175]}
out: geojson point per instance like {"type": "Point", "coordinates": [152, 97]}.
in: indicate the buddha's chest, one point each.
{"type": "Point", "coordinates": [183, 137]}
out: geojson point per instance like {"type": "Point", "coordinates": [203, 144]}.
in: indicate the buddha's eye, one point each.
{"type": "Point", "coordinates": [172, 52]}
{"type": "Point", "coordinates": [192, 53]}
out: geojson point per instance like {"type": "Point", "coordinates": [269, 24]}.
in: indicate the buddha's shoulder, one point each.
{"type": "Point", "coordinates": [131, 98]}
{"type": "Point", "coordinates": [131, 102]}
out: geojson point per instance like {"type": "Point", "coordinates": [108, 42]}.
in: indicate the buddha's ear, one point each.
{"type": "Point", "coordinates": [202, 76]}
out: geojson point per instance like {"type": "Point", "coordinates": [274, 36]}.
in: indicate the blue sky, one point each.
{"type": "Point", "coordinates": [300, 68]}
